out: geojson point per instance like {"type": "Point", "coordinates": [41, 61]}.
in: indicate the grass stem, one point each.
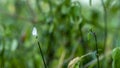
{"type": "Point", "coordinates": [45, 65]}
{"type": "Point", "coordinates": [97, 55]}
{"type": "Point", "coordinates": [105, 25]}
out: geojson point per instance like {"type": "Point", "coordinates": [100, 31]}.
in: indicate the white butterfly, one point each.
{"type": "Point", "coordinates": [34, 31]}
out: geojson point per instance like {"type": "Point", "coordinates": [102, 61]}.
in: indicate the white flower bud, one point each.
{"type": "Point", "coordinates": [34, 31]}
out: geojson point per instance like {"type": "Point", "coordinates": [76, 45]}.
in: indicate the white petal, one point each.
{"type": "Point", "coordinates": [34, 31]}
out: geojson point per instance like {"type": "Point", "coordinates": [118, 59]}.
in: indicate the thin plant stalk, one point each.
{"type": "Point", "coordinates": [105, 30]}
{"type": "Point", "coordinates": [90, 2]}
{"type": "Point", "coordinates": [105, 25]}
{"type": "Point", "coordinates": [2, 56]}
{"type": "Point", "coordinates": [45, 65]}
{"type": "Point", "coordinates": [34, 33]}
{"type": "Point", "coordinates": [96, 47]}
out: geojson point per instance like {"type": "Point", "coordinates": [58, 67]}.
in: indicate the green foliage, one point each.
{"type": "Point", "coordinates": [116, 58]}
{"type": "Point", "coordinates": [77, 65]}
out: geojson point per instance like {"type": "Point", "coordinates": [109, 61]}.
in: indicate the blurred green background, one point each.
{"type": "Point", "coordinates": [63, 30]}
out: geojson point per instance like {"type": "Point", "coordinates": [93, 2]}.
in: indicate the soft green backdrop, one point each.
{"type": "Point", "coordinates": [63, 29]}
